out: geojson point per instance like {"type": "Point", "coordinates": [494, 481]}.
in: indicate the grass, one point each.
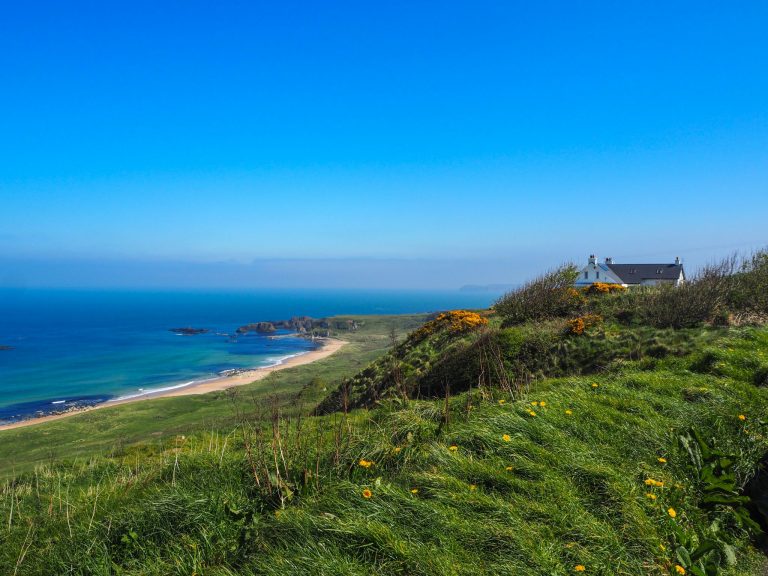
{"type": "Point", "coordinates": [558, 491]}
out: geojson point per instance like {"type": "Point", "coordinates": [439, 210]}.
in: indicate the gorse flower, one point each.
{"type": "Point", "coordinates": [679, 569]}
{"type": "Point", "coordinates": [579, 568]}
{"type": "Point", "coordinates": [506, 437]}
{"type": "Point", "coordinates": [662, 460]}
{"type": "Point", "coordinates": [672, 513]}
{"type": "Point", "coordinates": [742, 417]}
{"type": "Point", "coordinates": [367, 493]}
{"type": "Point", "coordinates": [365, 463]}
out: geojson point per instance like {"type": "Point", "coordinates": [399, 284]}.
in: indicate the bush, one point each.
{"type": "Point", "coordinates": [551, 295]}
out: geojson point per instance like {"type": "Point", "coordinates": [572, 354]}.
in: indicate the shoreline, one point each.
{"type": "Point", "coordinates": [328, 346]}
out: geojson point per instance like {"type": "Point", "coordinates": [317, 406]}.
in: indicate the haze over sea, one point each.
{"type": "Point", "coordinates": [78, 347]}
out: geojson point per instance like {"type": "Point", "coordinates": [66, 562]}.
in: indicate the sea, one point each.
{"type": "Point", "coordinates": [65, 349]}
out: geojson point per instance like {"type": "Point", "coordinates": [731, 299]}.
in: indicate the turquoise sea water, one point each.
{"type": "Point", "coordinates": [73, 347]}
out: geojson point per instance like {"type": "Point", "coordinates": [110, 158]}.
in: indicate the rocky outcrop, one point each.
{"type": "Point", "coordinates": [189, 331]}
{"type": "Point", "coordinates": [261, 327]}
{"type": "Point", "coordinates": [299, 324]}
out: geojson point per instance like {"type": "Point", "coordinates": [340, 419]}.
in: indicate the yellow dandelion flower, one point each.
{"type": "Point", "coordinates": [742, 417]}
{"type": "Point", "coordinates": [542, 403]}
{"type": "Point", "coordinates": [365, 463]}
{"type": "Point", "coordinates": [579, 568]}
{"type": "Point", "coordinates": [453, 447]}
{"type": "Point", "coordinates": [506, 437]}
{"type": "Point", "coordinates": [502, 401]}
{"type": "Point", "coordinates": [531, 412]}
{"type": "Point", "coordinates": [651, 496]}
{"type": "Point", "coordinates": [473, 487]}
{"type": "Point", "coordinates": [367, 493]}
{"type": "Point", "coordinates": [662, 460]}
{"type": "Point", "coordinates": [414, 490]}
{"type": "Point", "coordinates": [594, 385]}
{"type": "Point", "coordinates": [397, 449]}
{"type": "Point", "coordinates": [650, 481]}
{"type": "Point", "coordinates": [509, 468]}
{"type": "Point", "coordinates": [534, 403]}
{"type": "Point", "coordinates": [672, 513]}
{"type": "Point", "coordinates": [568, 412]}
{"type": "Point", "coordinates": [679, 569]}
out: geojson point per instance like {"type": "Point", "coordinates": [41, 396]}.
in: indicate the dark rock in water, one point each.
{"type": "Point", "coordinates": [300, 324]}
{"type": "Point", "coordinates": [6, 348]}
{"type": "Point", "coordinates": [189, 331]}
{"type": "Point", "coordinates": [263, 327]}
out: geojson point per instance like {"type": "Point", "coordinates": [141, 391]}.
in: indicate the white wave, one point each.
{"type": "Point", "coordinates": [58, 402]}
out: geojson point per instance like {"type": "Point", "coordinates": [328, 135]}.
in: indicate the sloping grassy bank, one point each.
{"type": "Point", "coordinates": [479, 483]}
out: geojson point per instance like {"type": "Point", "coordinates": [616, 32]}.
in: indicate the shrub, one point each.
{"type": "Point", "coordinates": [581, 323]}
{"type": "Point", "coordinates": [549, 296]}
{"type": "Point", "coordinates": [454, 322]}
{"type": "Point", "coordinates": [603, 288]}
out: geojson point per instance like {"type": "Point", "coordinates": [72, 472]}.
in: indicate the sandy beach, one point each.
{"type": "Point", "coordinates": [328, 346]}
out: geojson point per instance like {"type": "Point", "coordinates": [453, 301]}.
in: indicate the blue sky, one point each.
{"type": "Point", "coordinates": [405, 144]}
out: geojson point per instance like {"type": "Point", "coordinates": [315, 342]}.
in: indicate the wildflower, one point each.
{"type": "Point", "coordinates": [473, 487]}
{"type": "Point", "coordinates": [579, 568]}
{"type": "Point", "coordinates": [542, 403]}
{"type": "Point", "coordinates": [672, 513]}
{"type": "Point", "coordinates": [414, 490]}
{"type": "Point", "coordinates": [742, 417]}
{"type": "Point", "coordinates": [651, 495]}
{"type": "Point", "coordinates": [502, 401]}
{"type": "Point", "coordinates": [531, 412]}
{"type": "Point", "coordinates": [367, 493]}
{"type": "Point", "coordinates": [506, 437]}
{"type": "Point", "coordinates": [509, 468]}
{"type": "Point", "coordinates": [594, 385]}
{"type": "Point", "coordinates": [397, 449]}
{"type": "Point", "coordinates": [679, 569]}
{"type": "Point", "coordinates": [662, 460]}
{"type": "Point", "coordinates": [453, 447]}
{"type": "Point", "coordinates": [365, 463]}
{"type": "Point", "coordinates": [662, 547]}
{"type": "Point", "coordinates": [652, 482]}
{"type": "Point", "coordinates": [568, 412]}
{"type": "Point", "coordinates": [534, 403]}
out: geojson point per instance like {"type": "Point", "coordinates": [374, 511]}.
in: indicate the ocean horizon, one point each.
{"type": "Point", "coordinates": [67, 348]}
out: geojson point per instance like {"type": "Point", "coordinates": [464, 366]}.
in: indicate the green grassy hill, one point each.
{"type": "Point", "coordinates": [562, 433]}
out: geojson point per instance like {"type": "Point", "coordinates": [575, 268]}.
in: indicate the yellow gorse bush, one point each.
{"type": "Point", "coordinates": [455, 322]}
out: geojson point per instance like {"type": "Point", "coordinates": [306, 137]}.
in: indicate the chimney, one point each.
{"type": "Point", "coordinates": [592, 259]}
{"type": "Point", "coordinates": [677, 260]}
{"type": "Point", "coordinates": [609, 260]}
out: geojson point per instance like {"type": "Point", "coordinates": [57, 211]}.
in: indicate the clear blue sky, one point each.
{"type": "Point", "coordinates": [408, 144]}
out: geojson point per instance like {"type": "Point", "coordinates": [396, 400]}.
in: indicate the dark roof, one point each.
{"type": "Point", "coordinates": [636, 273]}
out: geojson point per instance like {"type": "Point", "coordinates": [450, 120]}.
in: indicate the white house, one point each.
{"type": "Point", "coordinates": [630, 274]}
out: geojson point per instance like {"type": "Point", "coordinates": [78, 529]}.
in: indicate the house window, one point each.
{"type": "Point", "coordinates": [658, 270]}
{"type": "Point", "coordinates": [597, 275]}
{"type": "Point", "coordinates": [586, 274]}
